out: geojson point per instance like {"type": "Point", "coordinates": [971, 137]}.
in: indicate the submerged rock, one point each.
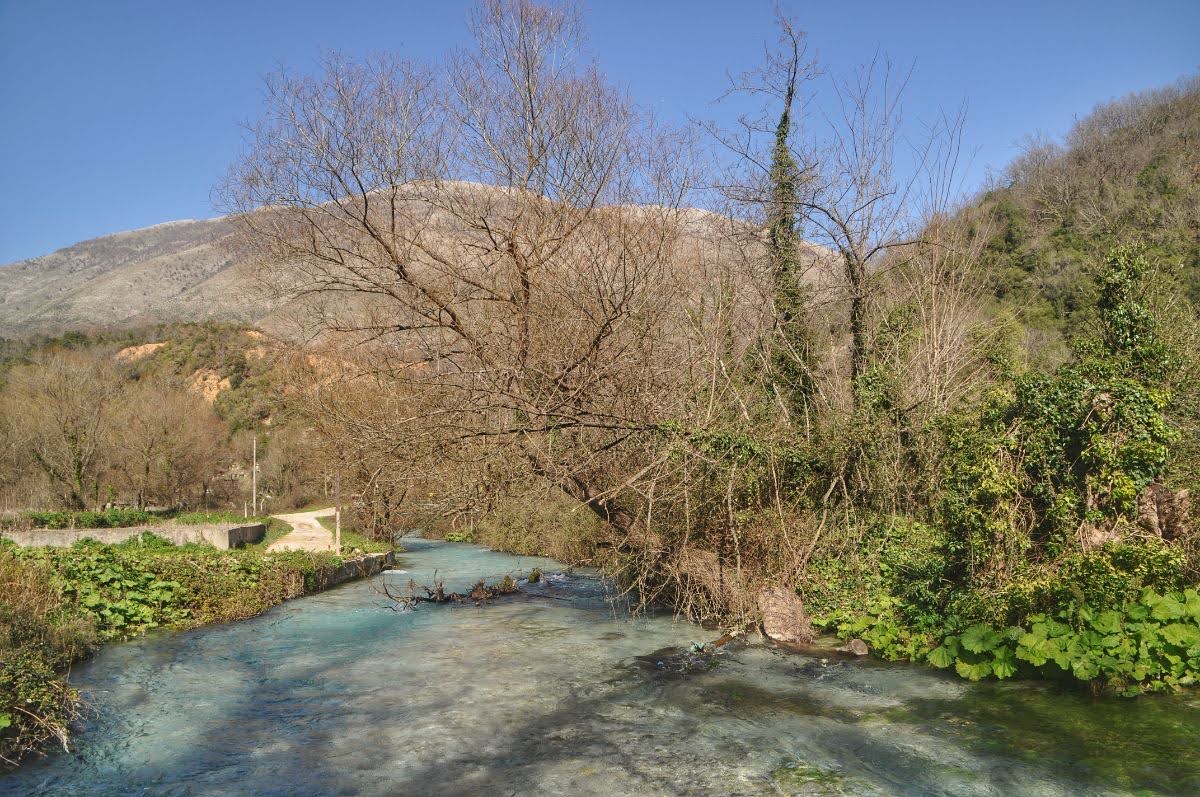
{"type": "Point", "coordinates": [856, 647]}
{"type": "Point", "coordinates": [783, 616]}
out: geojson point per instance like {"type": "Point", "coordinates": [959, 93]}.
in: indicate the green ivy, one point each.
{"type": "Point", "coordinates": [1062, 452]}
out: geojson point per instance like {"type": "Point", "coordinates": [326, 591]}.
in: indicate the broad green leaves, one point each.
{"type": "Point", "coordinates": [1152, 643]}
{"type": "Point", "coordinates": [980, 638]}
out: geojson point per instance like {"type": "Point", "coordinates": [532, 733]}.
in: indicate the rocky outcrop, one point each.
{"type": "Point", "coordinates": [1164, 512]}
{"type": "Point", "coordinates": [132, 354]}
{"type": "Point", "coordinates": [783, 616]}
{"type": "Point", "coordinates": [208, 384]}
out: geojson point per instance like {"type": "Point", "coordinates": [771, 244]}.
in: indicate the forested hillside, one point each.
{"type": "Point", "coordinates": [1127, 171]}
{"type": "Point", "coordinates": [157, 417]}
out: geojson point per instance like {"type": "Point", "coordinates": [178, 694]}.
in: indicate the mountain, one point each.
{"type": "Point", "coordinates": [187, 271]}
{"type": "Point", "coordinates": [1128, 172]}
{"type": "Point", "coordinates": [177, 271]}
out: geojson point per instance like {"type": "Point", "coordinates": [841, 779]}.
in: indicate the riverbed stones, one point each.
{"type": "Point", "coordinates": [855, 647]}
{"type": "Point", "coordinates": [783, 616]}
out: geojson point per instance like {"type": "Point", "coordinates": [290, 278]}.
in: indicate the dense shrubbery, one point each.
{"type": "Point", "coordinates": [1117, 617]}
{"type": "Point", "coordinates": [543, 526]}
{"type": "Point", "coordinates": [1127, 172]}
{"type": "Point", "coordinates": [1034, 561]}
{"type": "Point", "coordinates": [107, 519]}
{"type": "Point", "coordinates": [40, 635]}
{"type": "Point", "coordinates": [121, 518]}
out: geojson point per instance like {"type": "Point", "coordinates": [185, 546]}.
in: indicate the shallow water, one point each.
{"type": "Point", "coordinates": [561, 693]}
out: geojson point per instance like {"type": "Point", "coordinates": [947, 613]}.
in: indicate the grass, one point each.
{"type": "Point", "coordinates": [352, 539]}
{"type": "Point", "coordinates": [276, 529]}
{"type": "Point", "coordinates": [122, 517]}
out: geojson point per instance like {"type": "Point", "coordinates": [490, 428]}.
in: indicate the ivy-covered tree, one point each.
{"type": "Point", "coordinates": [793, 357]}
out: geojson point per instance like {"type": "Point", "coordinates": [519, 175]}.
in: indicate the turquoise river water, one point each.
{"type": "Point", "coordinates": [561, 692]}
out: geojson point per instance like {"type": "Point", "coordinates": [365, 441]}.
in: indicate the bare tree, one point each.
{"type": "Point", "coordinates": [170, 443]}
{"type": "Point", "coordinates": [59, 409]}
{"type": "Point", "coordinates": [500, 246]}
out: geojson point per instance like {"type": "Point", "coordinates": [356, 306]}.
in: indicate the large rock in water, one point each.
{"type": "Point", "coordinates": [783, 616]}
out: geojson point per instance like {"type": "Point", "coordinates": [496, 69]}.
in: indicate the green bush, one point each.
{"type": "Point", "coordinates": [131, 588]}
{"type": "Point", "coordinates": [214, 518]}
{"type": "Point", "coordinates": [108, 519]}
{"type": "Point", "coordinates": [1148, 644]}
{"type": "Point", "coordinates": [1117, 618]}
{"type": "Point", "coordinates": [40, 634]}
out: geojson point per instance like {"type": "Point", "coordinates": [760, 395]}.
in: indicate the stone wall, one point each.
{"type": "Point", "coordinates": [223, 537]}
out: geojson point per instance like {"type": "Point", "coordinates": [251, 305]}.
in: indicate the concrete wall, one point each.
{"type": "Point", "coordinates": [363, 567]}
{"type": "Point", "coordinates": [223, 537]}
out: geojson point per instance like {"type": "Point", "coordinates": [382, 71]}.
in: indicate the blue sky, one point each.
{"type": "Point", "coordinates": [121, 114]}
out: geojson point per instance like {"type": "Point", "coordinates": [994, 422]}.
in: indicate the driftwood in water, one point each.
{"type": "Point", "coordinates": [479, 593]}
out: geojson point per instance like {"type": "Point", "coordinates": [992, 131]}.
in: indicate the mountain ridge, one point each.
{"type": "Point", "coordinates": [178, 270]}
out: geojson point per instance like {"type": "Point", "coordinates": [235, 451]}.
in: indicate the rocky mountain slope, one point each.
{"type": "Point", "coordinates": [178, 271]}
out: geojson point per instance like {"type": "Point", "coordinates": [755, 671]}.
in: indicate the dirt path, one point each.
{"type": "Point", "coordinates": [307, 533]}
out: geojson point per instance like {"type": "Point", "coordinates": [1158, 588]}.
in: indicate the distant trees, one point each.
{"type": "Point", "coordinates": [167, 444]}
{"type": "Point", "coordinates": [78, 433]}
{"type": "Point", "coordinates": [60, 411]}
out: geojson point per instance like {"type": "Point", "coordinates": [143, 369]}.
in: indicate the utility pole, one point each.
{"type": "Point", "coordinates": [254, 475]}
{"type": "Point", "coordinates": [337, 511]}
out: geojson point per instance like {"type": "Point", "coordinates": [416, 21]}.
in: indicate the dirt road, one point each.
{"type": "Point", "coordinates": [307, 533]}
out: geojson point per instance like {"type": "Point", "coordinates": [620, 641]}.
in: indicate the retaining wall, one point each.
{"type": "Point", "coordinates": [363, 567]}
{"type": "Point", "coordinates": [223, 537]}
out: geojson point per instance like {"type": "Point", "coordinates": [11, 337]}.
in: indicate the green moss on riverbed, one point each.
{"type": "Point", "coordinates": [797, 778]}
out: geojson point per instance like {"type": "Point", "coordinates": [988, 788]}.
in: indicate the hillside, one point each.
{"type": "Point", "coordinates": [178, 271]}
{"type": "Point", "coordinates": [1127, 173]}
{"type": "Point", "coordinates": [187, 272]}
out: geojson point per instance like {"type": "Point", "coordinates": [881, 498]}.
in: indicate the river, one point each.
{"type": "Point", "coordinates": [561, 692]}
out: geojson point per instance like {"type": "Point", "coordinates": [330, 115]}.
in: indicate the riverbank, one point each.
{"type": "Point", "coordinates": [58, 605]}
{"type": "Point", "coordinates": [561, 691]}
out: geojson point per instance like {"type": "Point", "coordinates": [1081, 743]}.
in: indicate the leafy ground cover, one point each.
{"type": "Point", "coordinates": [58, 604]}
{"type": "Point", "coordinates": [1036, 559]}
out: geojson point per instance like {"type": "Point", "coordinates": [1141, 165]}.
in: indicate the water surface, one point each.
{"type": "Point", "coordinates": [561, 693]}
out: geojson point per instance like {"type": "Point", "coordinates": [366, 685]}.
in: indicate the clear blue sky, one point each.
{"type": "Point", "coordinates": [122, 113]}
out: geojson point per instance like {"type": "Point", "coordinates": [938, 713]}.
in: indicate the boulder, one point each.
{"type": "Point", "coordinates": [856, 647]}
{"type": "Point", "coordinates": [1164, 513]}
{"type": "Point", "coordinates": [783, 616]}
